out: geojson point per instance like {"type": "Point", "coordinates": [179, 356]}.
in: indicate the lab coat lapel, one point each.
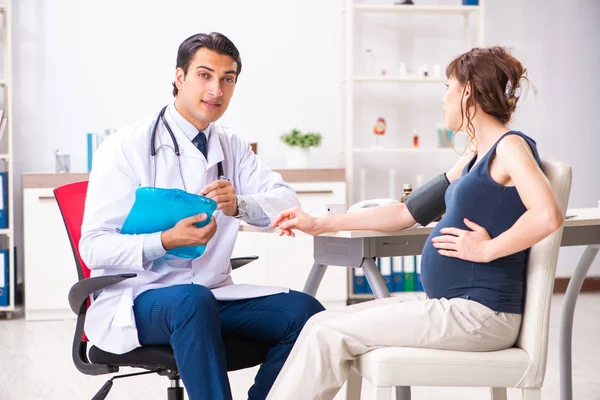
{"type": "Point", "coordinates": [196, 169]}
{"type": "Point", "coordinates": [215, 150]}
{"type": "Point", "coordinates": [167, 169]}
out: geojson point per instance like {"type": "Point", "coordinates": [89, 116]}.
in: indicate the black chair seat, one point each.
{"type": "Point", "coordinates": [240, 353]}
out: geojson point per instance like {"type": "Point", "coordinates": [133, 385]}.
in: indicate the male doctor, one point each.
{"type": "Point", "coordinates": [189, 303]}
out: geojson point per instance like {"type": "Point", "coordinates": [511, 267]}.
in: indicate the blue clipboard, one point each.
{"type": "Point", "coordinates": [156, 210]}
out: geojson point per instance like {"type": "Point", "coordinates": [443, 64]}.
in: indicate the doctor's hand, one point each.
{"type": "Point", "coordinates": [295, 218]}
{"type": "Point", "coordinates": [223, 193]}
{"type": "Point", "coordinates": [185, 233]}
{"type": "Point", "coordinates": [466, 245]}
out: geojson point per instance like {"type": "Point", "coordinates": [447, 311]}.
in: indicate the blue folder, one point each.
{"type": "Point", "coordinates": [418, 281]}
{"type": "Point", "coordinates": [358, 281]}
{"type": "Point", "coordinates": [3, 200]}
{"type": "Point", "coordinates": [397, 274]}
{"type": "Point", "coordinates": [4, 286]}
{"type": "Point", "coordinates": [156, 210]}
{"type": "Point", "coordinates": [385, 267]}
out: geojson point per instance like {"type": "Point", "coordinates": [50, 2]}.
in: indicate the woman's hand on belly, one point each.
{"type": "Point", "coordinates": [466, 245]}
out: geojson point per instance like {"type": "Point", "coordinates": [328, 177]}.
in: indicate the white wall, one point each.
{"type": "Point", "coordinates": [559, 43]}
{"type": "Point", "coordinates": [86, 66]}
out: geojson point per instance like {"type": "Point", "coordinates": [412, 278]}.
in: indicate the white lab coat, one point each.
{"type": "Point", "coordinates": [121, 165]}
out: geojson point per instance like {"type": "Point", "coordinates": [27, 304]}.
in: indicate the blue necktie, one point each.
{"type": "Point", "coordinates": [200, 142]}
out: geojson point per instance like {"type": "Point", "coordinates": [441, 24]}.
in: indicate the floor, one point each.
{"type": "Point", "coordinates": [35, 363]}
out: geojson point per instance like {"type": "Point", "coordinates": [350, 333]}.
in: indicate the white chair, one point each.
{"type": "Point", "coordinates": [522, 366]}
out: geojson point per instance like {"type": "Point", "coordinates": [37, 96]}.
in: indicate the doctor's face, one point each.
{"type": "Point", "coordinates": [206, 89]}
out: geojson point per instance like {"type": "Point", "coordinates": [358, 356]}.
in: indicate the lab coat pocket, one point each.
{"type": "Point", "coordinates": [124, 314]}
{"type": "Point", "coordinates": [176, 262]}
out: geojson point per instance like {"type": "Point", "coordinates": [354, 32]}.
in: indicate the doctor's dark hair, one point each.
{"type": "Point", "coordinates": [495, 77]}
{"type": "Point", "coordinates": [214, 41]}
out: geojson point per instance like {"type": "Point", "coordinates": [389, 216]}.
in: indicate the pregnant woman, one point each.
{"type": "Point", "coordinates": [496, 203]}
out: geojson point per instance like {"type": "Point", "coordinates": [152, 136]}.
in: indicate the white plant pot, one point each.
{"type": "Point", "coordinates": [298, 158]}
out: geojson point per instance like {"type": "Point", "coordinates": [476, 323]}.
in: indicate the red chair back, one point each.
{"type": "Point", "coordinates": [71, 201]}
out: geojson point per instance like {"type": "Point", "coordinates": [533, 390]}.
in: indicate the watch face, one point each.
{"type": "Point", "coordinates": [241, 203]}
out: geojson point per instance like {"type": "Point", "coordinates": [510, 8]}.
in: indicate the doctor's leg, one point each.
{"type": "Point", "coordinates": [278, 318]}
{"type": "Point", "coordinates": [187, 318]}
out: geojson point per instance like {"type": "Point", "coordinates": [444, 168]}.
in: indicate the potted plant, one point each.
{"type": "Point", "coordinates": [300, 144]}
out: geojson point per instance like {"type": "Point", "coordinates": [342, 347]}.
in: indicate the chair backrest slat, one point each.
{"type": "Point", "coordinates": [71, 201]}
{"type": "Point", "coordinates": [540, 274]}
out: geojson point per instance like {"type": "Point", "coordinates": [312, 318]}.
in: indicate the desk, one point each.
{"type": "Point", "coordinates": [356, 249]}
{"type": "Point", "coordinates": [583, 229]}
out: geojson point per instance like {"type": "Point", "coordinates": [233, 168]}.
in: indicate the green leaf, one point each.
{"type": "Point", "coordinates": [296, 138]}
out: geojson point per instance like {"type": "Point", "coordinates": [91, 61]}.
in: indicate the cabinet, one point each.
{"type": "Point", "coordinates": [49, 267]}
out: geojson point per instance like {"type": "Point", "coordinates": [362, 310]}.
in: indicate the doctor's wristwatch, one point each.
{"type": "Point", "coordinates": [241, 207]}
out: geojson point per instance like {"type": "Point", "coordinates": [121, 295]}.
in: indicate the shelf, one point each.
{"type": "Point", "coordinates": [10, 309]}
{"type": "Point", "coordinates": [403, 150]}
{"type": "Point", "coordinates": [6, 153]}
{"type": "Point", "coordinates": [400, 79]}
{"type": "Point", "coordinates": [402, 9]}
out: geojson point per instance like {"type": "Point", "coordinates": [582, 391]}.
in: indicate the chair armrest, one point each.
{"type": "Point", "coordinates": [84, 288]}
{"type": "Point", "coordinates": [241, 261]}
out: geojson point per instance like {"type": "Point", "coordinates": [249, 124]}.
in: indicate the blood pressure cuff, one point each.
{"type": "Point", "coordinates": [426, 203]}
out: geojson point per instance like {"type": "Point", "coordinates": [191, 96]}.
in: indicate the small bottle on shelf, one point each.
{"type": "Point", "coordinates": [415, 139]}
{"type": "Point", "coordinates": [371, 63]}
{"type": "Point", "coordinates": [407, 190]}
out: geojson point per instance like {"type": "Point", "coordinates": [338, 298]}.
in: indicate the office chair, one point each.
{"type": "Point", "coordinates": [240, 353]}
{"type": "Point", "coordinates": [523, 366]}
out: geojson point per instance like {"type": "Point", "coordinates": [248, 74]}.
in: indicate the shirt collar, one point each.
{"type": "Point", "coordinates": [186, 126]}
{"type": "Point", "coordinates": [183, 128]}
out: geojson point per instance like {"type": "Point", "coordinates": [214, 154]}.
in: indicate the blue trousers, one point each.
{"type": "Point", "coordinates": [193, 322]}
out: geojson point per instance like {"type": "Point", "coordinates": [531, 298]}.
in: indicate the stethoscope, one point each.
{"type": "Point", "coordinates": [161, 117]}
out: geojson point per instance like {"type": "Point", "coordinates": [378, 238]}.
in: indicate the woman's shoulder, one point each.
{"type": "Point", "coordinates": [514, 136]}
{"type": "Point", "coordinates": [514, 143]}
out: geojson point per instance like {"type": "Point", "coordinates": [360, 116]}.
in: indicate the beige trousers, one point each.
{"type": "Point", "coordinates": [320, 361]}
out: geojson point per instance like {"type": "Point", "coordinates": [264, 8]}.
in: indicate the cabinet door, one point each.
{"type": "Point", "coordinates": [49, 265]}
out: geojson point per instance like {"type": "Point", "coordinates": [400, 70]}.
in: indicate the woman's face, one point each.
{"type": "Point", "coordinates": [451, 103]}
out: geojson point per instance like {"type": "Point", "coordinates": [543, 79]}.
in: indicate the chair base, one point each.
{"type": "Point", "coordinates": [531, 394]}
{"type": "Point", "coordinates": [526, 394]}
{"type": "Point", "coordinates": [403, 393]}
{"type": "Point", "coordinates": [498, 393]}
{"type": "Point", "coordinates": [175, 393]}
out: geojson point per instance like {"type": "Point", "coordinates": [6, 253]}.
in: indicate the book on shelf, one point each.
{"type": "Point", "coordinates": [3, 124]}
